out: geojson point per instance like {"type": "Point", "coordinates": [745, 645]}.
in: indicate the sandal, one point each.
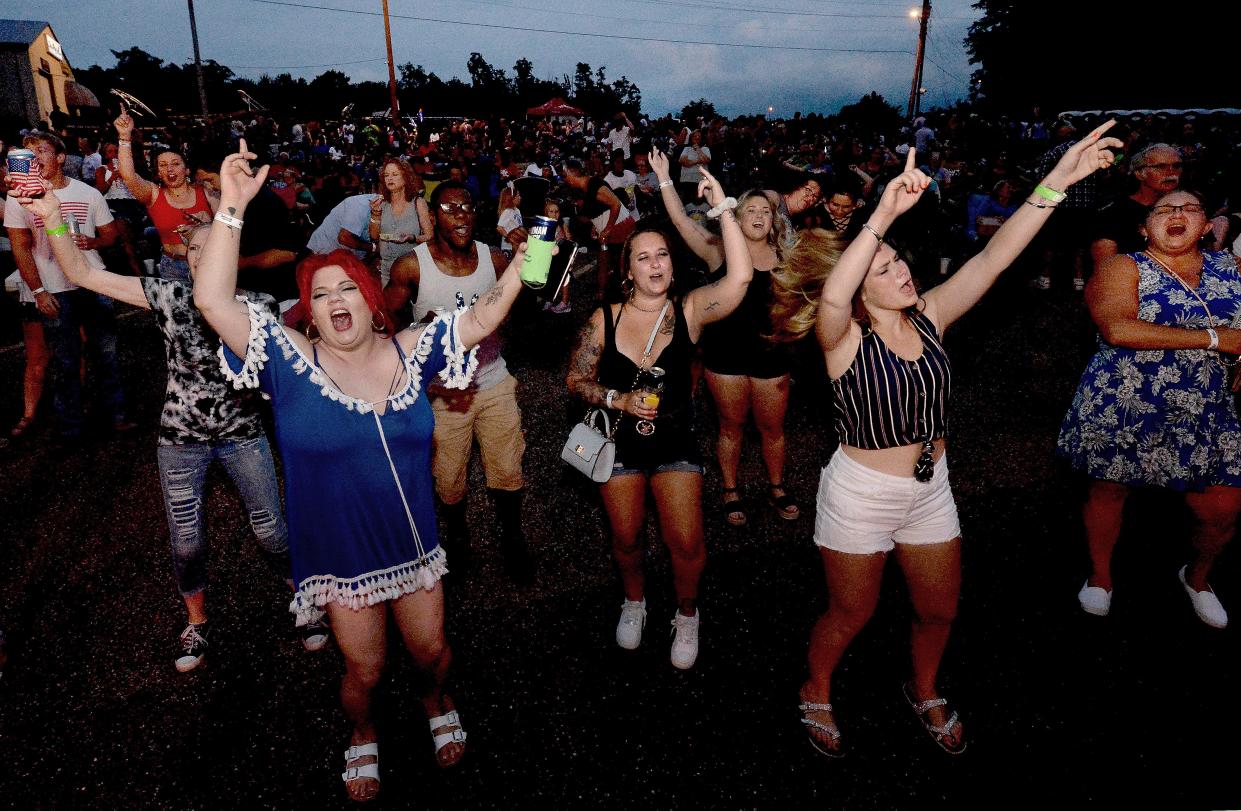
{"type": "Point", "coordinates": [942, 735]}
{"type": "Point", "coordinates": [451, 722]}
{"type": "Point", "coordinates": [829, 729]}
{"type": "Point", "coordinates": [733, 510]}
{"type": "Point", "coordinates": [21, 427]}
{"type": "Point", "coordinates": [368, 771]}
{"type": "Point", "coordinates": [785, 505]}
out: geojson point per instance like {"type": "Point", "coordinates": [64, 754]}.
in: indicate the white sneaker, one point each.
{"type": "Point", "coordinates": [1095, 600]}
{"type": "Point", "coordinates": [684, 640]}
{"type": "Point", "coordinates": [632, 620]}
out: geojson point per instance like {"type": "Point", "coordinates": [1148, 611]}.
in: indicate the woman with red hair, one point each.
{"type": "Point", "coordinates": [355, 434]}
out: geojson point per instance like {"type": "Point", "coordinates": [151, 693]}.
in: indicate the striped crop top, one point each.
{"type": "Point", "coordinates": [885, 401]}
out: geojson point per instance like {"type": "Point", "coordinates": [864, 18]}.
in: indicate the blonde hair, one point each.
{"type": "Point", "coordinates": [775, 234]}
{"type": "Point", "coordinates": [797, 284]}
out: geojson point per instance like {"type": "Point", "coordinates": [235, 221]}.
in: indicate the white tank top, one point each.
{"type": "Point", "coordinates": [443, 293]}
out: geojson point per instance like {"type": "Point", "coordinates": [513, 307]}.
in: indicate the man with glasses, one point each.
{"type": "Point", "coordinates": [1158, 171]}
{"type": "Point", "coordinates": [805, 192]}
{"type": "Point", "coordinates": [448, 273]}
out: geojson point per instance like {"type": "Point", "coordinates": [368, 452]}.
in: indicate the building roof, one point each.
{"type": "Point", "coordinates": [20, 32]}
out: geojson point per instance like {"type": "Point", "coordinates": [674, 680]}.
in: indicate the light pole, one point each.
{"type": "Point", "coordinates": [198, 62]}
{"type": "Point", "coordinates": [915, 98]}
{"type": "Point", "coordinates": [391, 68]}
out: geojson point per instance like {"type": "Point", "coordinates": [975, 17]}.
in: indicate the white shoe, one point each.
{"type": "Point", "coordinates": [684, 640]}
{"type": "Point", "coordinates": [632, 620]}
{"type": "Point", "coordinates": [1095, 600]}
{"type": "Point", "coordinates": [1206, 604]}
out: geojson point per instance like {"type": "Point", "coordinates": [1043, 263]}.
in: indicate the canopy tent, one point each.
{"type": "Point", "coordinates": [556, 106]}
{"type": "Point", "coordinates": [79, 95]}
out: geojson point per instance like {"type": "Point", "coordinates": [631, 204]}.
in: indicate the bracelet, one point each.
{"type": "Point", "coordinates": [37, 292]}
{"type": "Point", "coordinates": [608, 400]}
{"type": "Point", "coordinates": [63, 228]}
{"type": "Point", "coordinates": [876, 234]}
{"type": "Point", "coordinates": [229, 220]}
{"type": "Point", "coordinates": [1048, 193]}
{"type": "Point", "coordinates": [1214, 338]}
{"type": "Point", "coordinates": [1040, 205]}
{"type": "Point", "coordinates": [727, 204]}
{"type": "Point", "coordinates": [665, 184]}
{"type": "Point", "coordinates": [120, 143]}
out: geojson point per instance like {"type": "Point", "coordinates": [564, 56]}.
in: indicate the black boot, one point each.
{"type": "Point", "coordinates": [456, 537]}
{"type": "Point", "coordinates": [517, 560]}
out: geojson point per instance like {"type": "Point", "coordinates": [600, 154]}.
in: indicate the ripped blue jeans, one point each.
{"type": "Point", "coordinates": [183, 472]}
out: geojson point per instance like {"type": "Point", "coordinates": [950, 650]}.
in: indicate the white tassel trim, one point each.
{"type": "Point", "coordinates": [459, 366]}
{"type": "Point", "coordinates": [368, 589]}
{"type": "Point", "coordinates": [256, 348]}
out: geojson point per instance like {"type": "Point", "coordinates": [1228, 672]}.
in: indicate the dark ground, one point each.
{"type": "Point", "coordinates": [1059, 707]}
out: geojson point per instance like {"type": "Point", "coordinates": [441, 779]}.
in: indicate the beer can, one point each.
{"type": "Point", "coordinates": [539, 245]}
{"type": "Point", "coordinates": [23, 167]}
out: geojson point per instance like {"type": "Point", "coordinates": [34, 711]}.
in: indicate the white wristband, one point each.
{"type": "Point", "coordinates": [727, 204]}
{"type": "Point", "coordinates": [608, 399]}
{"type": "Point", "coordinates": [41, 290]}
{"type": "Point", "coordinates": [229, 221]}
{"type": "Point", "coordinates": [665, 184]}
{"type": "Point", "coordinates": [1214, 338]}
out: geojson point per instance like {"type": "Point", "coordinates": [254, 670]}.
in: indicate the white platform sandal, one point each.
{"type": "Point", "coordinates": [455, 734]}
{"type": "Point", "coordinates": [370, 771]}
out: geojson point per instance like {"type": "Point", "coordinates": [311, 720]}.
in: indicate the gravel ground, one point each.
{"type": "Point", "coordinates": [1059, 707]}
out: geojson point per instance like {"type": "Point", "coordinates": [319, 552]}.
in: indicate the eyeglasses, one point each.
{"type": "Point", "coordinates": [1188, 208]}
{"type": "Point", "coordinates": [1163, 167]}
{"type": "Point", "coordinates": [457, 208]}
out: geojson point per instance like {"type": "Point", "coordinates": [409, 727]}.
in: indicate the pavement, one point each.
{"type": "Point", "coordinates": [1059, 707]}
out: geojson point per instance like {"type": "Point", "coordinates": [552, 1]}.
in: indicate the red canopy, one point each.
{"type": "Point", "coordinates": [556, 106]}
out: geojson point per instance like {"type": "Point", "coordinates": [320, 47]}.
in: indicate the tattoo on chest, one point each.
{"type": "Point", "coordinates": [669, 324]}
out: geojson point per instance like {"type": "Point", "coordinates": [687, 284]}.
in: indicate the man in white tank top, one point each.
{"type": "Point", "coordinates": [447, 273]}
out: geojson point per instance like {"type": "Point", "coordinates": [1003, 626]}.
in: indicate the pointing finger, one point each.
{"type": "Point", "coordinates": [910, 160]}
{"type": "Point", "coordinates": [1102, 128]}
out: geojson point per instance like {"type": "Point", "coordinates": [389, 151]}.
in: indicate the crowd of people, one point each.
{"type": "Point", "coordinates": [355, 276]}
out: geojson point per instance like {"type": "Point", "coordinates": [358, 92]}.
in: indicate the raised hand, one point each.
{"type": "Point", "coordinates": [46, 208]}
{"type": "Point", "coordinates": [124, 124]}
{"type": "Point", "coordinates": [905, 190]}
{"type": "Point", "coordinates": [377, 205]}
{"type": "Point", "coordinates": [1085, 157]}
{"type": "Point", "coordinates": [238, 182]}
{"type": "Point", "coordinates": [659, 165]}
{"type": "Point", "coordinates": [709, 188]}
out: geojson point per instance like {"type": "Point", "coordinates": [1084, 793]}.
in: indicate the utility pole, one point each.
{"type": "Point", "coordinates": [198, 62]}
{"type": "Point", "coordinates": [915, 92]}
{"type": "Point", "coordinates": [396, 121]}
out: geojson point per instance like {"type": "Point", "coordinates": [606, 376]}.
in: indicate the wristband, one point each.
{"type": "Point", "coordinates": [663, 184]}
{"type": "Point", "coordinates": [876, 234]}
{"type": "Point", "coordinates": [38, 291]}
{"type": "Point", "coordinates": [608, 399]}
{"type": "Point", "coordinates": [122, 142]}
{"type": "Point", "coordinates": [63, 228]}
{"type": "Point", "coordinates": [1040, 205]}
{"type": "Point", "coordinates": [229, 221]}
{"type": "Point", "coordinates": [1214, 338]}
{"type": "Point", "coordinates": [727, 204]}
{"type": "Point", "coordinates": [1048, 193]}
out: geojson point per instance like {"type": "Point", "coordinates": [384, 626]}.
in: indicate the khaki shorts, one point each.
{"type": "Point", "coordinates": [492, 416]}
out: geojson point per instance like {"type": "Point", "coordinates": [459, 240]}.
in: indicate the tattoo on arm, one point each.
{"type": "Point", "coordinates": [584, 367]}
{"type": "Point", "coordinates": [494, 294]}
{"type": "Point", "coordinates": [711, 306]}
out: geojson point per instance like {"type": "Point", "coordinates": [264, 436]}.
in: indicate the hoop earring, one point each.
{"type": "Point", "coordinates": [309, 327]}
{"type": "Point", "coordinates": [383, 323]}
{"type": "Point", "coordinates": [626, 291]}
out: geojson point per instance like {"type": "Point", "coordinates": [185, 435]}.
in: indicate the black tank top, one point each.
{"type": "Point", "coordinates": [673, 439]}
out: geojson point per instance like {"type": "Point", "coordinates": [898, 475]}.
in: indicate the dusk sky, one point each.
{"type": "Point", "coordinates": [259, 36]}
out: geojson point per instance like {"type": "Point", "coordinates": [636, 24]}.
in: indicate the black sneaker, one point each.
{"type": "Point", "coordinates": [315, 634]}
{"type": "Point", "coordinates": [193, 647]}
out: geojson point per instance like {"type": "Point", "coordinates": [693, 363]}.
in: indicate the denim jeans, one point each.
{"type": "Point", "coordinates": [82, 309]}
{"type": "Point", "coordinates": [182, 473]}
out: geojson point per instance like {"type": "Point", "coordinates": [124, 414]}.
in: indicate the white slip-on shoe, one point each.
{"type": "Point", "coordinates": [1095, 600]}
{"type": "Point", "coordinates": [1206, 605]}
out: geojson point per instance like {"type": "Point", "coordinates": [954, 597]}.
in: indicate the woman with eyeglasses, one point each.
{"type": "Point", "coordinates": [174, 203]}
{"type": "Point", "coordinates": [886, 489]}
{"type": "Point", "coordinates": [1154, 407]}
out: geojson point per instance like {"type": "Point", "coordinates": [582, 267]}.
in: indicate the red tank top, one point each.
{"type": "Point", "coordinates": [167, 218]}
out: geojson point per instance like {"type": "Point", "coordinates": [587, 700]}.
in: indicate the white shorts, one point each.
{"type": "Point", "coordinates": [862, 511]}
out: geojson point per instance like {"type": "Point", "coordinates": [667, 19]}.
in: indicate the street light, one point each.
{"type": "Point", "coordinates": [914, 14]}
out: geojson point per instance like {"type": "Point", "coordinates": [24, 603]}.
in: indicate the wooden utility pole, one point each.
{"type": "Point", "coordinates": [396, 120]}
{"type": "Point", "coordinates": [198, 62]}
{"type": "Point", "coordinates": [915, 92]}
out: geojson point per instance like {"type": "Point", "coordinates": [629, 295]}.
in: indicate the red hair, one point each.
{"type": "Point", "coordinates": [366, 279]}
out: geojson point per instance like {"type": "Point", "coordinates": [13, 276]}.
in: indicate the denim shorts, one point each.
{"type": "Point", "coordinates": [677, 466]}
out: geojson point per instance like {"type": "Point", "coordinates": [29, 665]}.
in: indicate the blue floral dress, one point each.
{"type": "Point", "coordinates": [1162, 417]}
